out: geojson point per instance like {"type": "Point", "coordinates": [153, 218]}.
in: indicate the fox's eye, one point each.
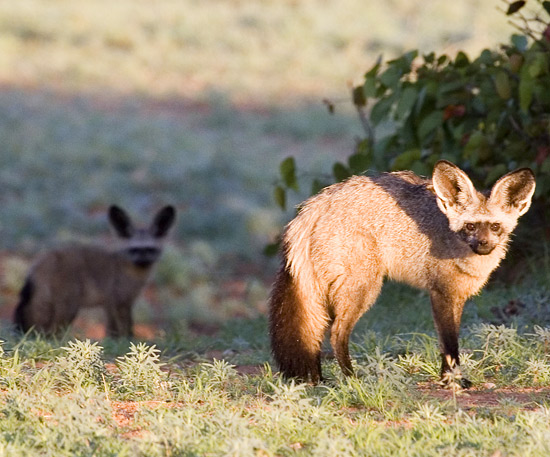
{"type": "Point", "coordinates": [495, 227]}
{"type": "Point", "coordinates": [470, 227]}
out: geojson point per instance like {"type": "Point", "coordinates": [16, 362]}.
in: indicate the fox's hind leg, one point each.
{"type": "Point", "coordinates": [350, 300]}
{"type": "Point", "coordinates": [39, 311]}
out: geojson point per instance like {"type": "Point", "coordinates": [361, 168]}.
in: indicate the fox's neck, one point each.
{"type": "Point", "coordinates": [480, 266]}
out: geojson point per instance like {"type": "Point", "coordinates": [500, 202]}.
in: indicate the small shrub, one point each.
{"type": "Point", "coordinates": [141, 376]}
{"type": "Point", "coordinates": [82, 363]}
{"type": "Point", "coordinates": [535, 373]}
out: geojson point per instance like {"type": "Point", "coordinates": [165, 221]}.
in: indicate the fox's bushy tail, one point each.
{"type": "Point", "coordinates": [295, 343]}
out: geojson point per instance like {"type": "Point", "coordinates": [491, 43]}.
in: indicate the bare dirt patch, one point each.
{"type": "Point", "coordinates": [480, 397]}
{"type": "Point", "coordinates": [124, 412]}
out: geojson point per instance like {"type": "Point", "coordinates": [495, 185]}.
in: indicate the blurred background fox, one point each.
{"type": "Point", "coordinates": [76, 276]}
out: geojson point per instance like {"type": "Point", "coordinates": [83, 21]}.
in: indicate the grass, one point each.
{"type": "Point", "coordinates": [270, 52]}
{"type": "Point", "coordinates": [72, 397]}
{"type": "Point", "coordinates": [195, 103]}
{"type": "Point", "coordinates": [188, 394]}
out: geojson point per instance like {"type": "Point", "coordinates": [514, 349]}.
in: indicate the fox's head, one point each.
{"type": "Point", "coordinates": [142, 246]}
{"type": "Point", "coordinates": [483, 222]}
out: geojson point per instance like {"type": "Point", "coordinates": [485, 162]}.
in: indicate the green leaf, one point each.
{"type": "Point", "coordinates": [380, 151]}
{"type": "Point", "coordinates": [526, 86]}
{"type": "Point", "coordinates": [542, 91]}
{"type": "Point", "coordinates": [431, 122]}
{"type": "Point", "coordinates": [477, 148]}
{"type": "Point", "coordinates": [391, 76]}
{"type": "Point", "coordinates": [369, 88]}
{"type": "Point", "coordinates": [288, 173]}
{"type": "Point", "coordinates": [406, 102]}
{"type": "Point", "coordinates": [515, 7]}
{"type": "Point", "coordinates": [279, 195]}
{"type": "Point", "coordinates": [486, 57]}
{"type": "Point", "coordinates": [420, 168]}
{"type": "Point", "coordinates": [539, 65]}
{"type": "Point", "coordinates": [405, 61]}
{"type": "Point", "coordinates": [271, 249]}
{"type": "Point", "coordinates": [451, 86]}
{"type": "Point", "coordinates": [496, 172]}
{"type": "Point", "coordinates": [358, 96]}
{"type": "Point", "coordinates": [340, 171]}
{"type": "Point", "coordinates": [461, 60]}
{"type": "Point", "coordinates": [546, 6]}
{"type": "Point", "coordinates": [374, 70]}
{"type": "Point", "coordinates": [316, 186]}
{"type": "Point", "coordinates": [359, 162]}
{"type": "Point", "coordinates": [545, 167]}
{"type": "Point", "coordinates": [474, 143]}
{"type": "Point", "coordinates": [405, 160]}
{"type": "Point", "coordinates": [502, 85]}
{"type": "Point", "coordinates": [380, 111]}
{"type": "Point", "coordinates": [520, 42]}
{"type": "Point", "coordinates": [429, 58]}
{"type": "Point", "coordinates": [543, 185]}
{"type": "Point", "coordinates": [420, 99]}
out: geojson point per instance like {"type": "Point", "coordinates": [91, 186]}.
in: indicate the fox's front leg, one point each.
{"type": "Point", "coordinates": [447, 313]}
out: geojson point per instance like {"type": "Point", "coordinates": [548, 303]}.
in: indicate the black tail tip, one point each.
{"type": "Point", "coordinates": [25, 296]}
{"type": "Point", "coordinates": [303, 367]}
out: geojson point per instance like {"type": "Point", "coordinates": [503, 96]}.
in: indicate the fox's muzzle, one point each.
{"type": "Point", "coordinates": [482, 237]}
{"type": "Point", "coordinates": [482, 247]}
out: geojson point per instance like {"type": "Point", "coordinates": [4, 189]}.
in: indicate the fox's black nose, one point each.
{"type": "Point", "coordinates": [482, 247]}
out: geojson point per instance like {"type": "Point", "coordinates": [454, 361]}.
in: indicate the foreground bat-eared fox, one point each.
{"type": "Point", "coordinates": [76, 276]}
{"type": "Point", "coordinates": [441, 235]}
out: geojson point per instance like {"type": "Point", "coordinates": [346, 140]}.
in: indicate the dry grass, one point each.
{"type": "Point", "coordinates": [259, 52]}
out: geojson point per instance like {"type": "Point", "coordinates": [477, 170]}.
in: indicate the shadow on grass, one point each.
{"type": "Point", "coordinates": [67, 156]}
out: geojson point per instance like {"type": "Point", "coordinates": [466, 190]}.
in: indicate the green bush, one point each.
{"type": "Point", "coordinates": [489, 114]}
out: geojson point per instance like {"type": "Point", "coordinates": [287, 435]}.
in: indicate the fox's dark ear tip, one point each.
{"type": "Point", "coordinates": [444, 163]}
{"type": "Point", "coordinates": [525, 173]}
{"type": "Point", "coordinates": [168, 211]}
{"type": "Point", "coordinates": [114, 209]}
{"type": "Point", "coordinates": [528, 171]}
{"type": "Point", "coordinates": [163, 221]}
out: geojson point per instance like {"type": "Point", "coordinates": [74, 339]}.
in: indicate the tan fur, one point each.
{"type": "Point", "coordinates": [352, 235]}
{"type": "Point", "coordinates": [68, 278]}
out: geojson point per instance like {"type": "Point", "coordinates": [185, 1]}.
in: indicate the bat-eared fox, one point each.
{"type": "Point", "coordinates": [441, 235]}
{"type": "Point", "coordinates": [75, 276]}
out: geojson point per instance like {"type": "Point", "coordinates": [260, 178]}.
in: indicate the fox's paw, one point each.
{"type": "Point", "coordinates": [453, 380]}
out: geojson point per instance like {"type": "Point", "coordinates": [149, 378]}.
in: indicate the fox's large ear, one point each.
{"type": "Point", "coordinates": [121, 222]}
{"type": "Point", "coordinates": [513, 192]}
{"type": "Point", "coordinates": [162, 222]}
{"type": "Point", "coordinates": [452, 186]}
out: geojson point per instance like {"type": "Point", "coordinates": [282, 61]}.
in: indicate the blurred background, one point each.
{"type": "Point", "coordinates": [193, 103]}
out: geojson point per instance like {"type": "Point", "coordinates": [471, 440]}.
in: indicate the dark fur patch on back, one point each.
{"type": "Point", "coordinates": [25, 297]}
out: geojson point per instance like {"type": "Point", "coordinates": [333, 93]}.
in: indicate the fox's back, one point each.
{"type": "Point", "coordinates": [86, 274]}
{"type": "Point", "coordinates": [390, 223]}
